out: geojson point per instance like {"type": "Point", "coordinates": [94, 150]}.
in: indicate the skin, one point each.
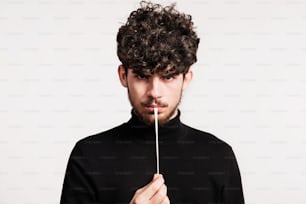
{"type": "Point", "coordinates": [145, 93]}
{"type": "Point", "coordinates": [154, 192]}
{"type": "Point", "coordinates": [155, 90]}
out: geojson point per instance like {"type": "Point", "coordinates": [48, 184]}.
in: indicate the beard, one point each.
{"type": "Point", "coordinates": [148, 116]}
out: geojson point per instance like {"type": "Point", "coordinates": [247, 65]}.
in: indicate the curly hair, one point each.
{"type": "Point", "coordinates": [155, 38]}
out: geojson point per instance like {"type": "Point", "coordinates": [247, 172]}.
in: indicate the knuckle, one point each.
{"type": "Point", "coordinates": [138, 191]}
{"type": "Point", "coordinates": [166, 200]}
{"type": "Point", "coordinates": [161, 195]}
{"type": "Point", "coordinates": [138, 200]}
{"type": "Point", "coordinates": [163, 190]}
{"type": "Point", "coordinates": [154, 188]}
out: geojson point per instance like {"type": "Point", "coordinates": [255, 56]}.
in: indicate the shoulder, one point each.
{"type": "Point", "coordinates": [101, 138]}
{"type": "Point", "coordinates": [208, 140]}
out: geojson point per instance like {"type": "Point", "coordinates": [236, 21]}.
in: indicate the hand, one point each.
{"type": "Point", "coordinates": [154, 192]}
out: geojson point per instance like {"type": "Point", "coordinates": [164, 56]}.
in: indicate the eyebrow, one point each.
{"type": "Point", "coordinates": [142, 74]}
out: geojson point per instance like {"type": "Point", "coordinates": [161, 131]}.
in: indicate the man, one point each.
{"type": "Point", "coordinates": [156, 46]}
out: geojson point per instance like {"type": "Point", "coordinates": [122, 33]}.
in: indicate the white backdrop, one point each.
{"type": "Point", "coordinates": [58, 84]}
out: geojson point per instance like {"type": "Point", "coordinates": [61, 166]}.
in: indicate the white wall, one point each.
{"type": "Point", "coordinates": [58, 84]}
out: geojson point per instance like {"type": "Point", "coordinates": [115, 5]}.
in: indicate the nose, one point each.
{"type": "Point", "coordinates": [153, 89]}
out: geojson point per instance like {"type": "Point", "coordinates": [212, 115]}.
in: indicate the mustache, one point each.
{"type": "Point", "coordinates": [155, 102]}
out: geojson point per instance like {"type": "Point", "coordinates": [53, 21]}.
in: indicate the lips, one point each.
{"type": "Point", "coordinates": [151, 104]}
{"type": "Point", "coordinates": [151, 108]}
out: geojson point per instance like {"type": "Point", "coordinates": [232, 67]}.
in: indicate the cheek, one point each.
{"type": "Point", "coordinates": [175, 89]}
{"type": "Point", "coordinates": [137, 90]}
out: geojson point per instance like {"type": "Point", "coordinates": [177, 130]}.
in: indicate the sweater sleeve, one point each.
{"type": "Point", "coordinates": [233, 192]}
{"type": "Point", "coordinates": [77, 186]}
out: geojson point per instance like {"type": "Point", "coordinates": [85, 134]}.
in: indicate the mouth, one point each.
{"type": "Point", "coordinates": [151, 104]}
{"type": "Point", "coordinates": [150, 109]}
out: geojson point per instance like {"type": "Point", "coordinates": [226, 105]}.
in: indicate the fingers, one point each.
{"type": "Point", "coordinates": [153, 193]}
{"type": "Point", "coordinates": [160, 195]}
{"type": "Point", "coordinates": [151, 189]}
{"type": "Point", "coordinates": [166, 200]}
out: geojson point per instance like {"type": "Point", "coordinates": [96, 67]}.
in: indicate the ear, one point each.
{"type": "Point", "coordinates": [187, 79]}
{"type": "Point", "coordinates": [122, 75]}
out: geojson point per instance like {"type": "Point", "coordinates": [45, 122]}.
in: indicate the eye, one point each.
{"type": "Point", "coordinates": [140, 76]}
{"type": "Point", "coordinates": [168, 77]}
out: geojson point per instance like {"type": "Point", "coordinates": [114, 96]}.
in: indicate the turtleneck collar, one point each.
{"type": "Point", "coordinates": [135, 121]}
{"type": "Point", "coordinates": [171, 128]}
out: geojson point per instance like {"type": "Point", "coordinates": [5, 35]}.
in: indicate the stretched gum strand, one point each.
{"type": "Point", "coordinates": [156, 139]}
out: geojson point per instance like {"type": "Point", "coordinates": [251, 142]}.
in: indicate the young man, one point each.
{"type": "Point", "coordinates": [156, 46]}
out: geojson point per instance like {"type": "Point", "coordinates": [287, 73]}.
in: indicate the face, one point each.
{"type": "Point", "coordinates": [156, 90]}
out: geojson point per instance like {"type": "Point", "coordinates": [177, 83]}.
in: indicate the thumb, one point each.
{"type": "Point", "coordinates": [155, 176]}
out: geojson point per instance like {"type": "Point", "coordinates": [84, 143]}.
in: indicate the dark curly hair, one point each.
{"type": "Point", "coordinates": [155, 38]}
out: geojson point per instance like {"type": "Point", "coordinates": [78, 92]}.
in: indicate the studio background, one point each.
{"type": "Point", "coordinates": [58, 84]}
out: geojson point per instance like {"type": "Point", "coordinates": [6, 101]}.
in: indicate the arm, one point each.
{"type": "Point", "coordinates": [232, 192]}
{"type": "Point", "coordinates": [77, 187]}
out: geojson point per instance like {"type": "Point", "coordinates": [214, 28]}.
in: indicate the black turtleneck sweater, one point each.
{"type": "Point", "coordinates": [107, 168]}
